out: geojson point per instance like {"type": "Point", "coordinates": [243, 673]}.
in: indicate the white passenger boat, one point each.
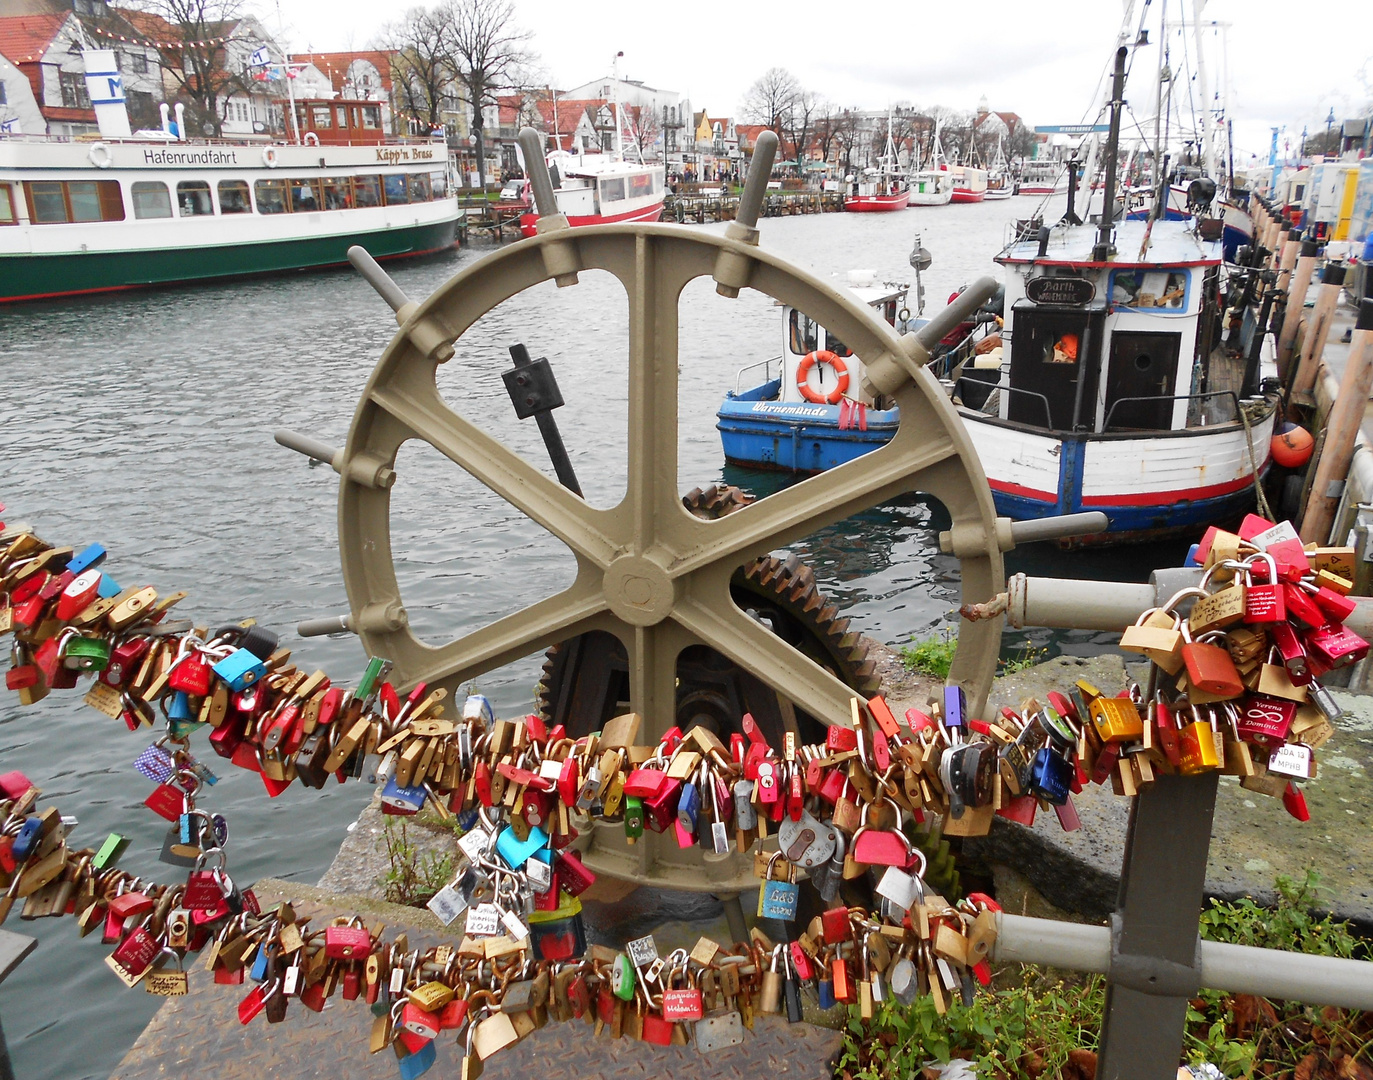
{"type": "Point", "coordinates": [138, 209]}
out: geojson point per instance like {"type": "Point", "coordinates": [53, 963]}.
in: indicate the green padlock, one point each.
{"type": "Point", "coordinates": [86, 654]}
{"type": "Point", "coordinates": [634, 817]}
{"type": "Point", "coordinates": [622, 981]}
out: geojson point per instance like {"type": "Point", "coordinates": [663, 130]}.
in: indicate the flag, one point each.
{"type": "Point", "coordinates": [259, 57]}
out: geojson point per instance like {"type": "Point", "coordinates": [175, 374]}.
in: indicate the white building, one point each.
{"type": "Point", "coordinates": [671, 111]}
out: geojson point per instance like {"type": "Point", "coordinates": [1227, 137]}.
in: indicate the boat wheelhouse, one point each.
{"type": "Point", "coordinates": [602, 189]}
{"type": "Point", "coordinates": [1042, 178]}
{"type": "Point", "coordinates": [1112, 389]}
{"type": "Point", "coordinates": [810, 412]}
{"type": "Point", "coordinates": [85, 217]}
{"type": "Point", "coordinates": [969, 184]}
{"type": "Point", "coordinates": [933, 185]}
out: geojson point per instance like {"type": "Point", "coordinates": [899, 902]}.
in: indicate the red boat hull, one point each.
{"type": "Point", "coordinates": [871, 204]}
{"type": "Point", "coordinates": [528, 222]}
{"type": "Point", "coordinates": [963, 195]}
{"type": "Point", "coordinates": [1036, 189]}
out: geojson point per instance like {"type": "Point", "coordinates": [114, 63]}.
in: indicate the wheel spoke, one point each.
{"type": "Point", "coordinates": [652, 487]}
{"type": "Point", "coordinates": [506, 473]}
{"type": "Point", "coordinates": [822, 500]}
{"type": "Point", "coordinates": [756, 649]}
{"type": "Point", "coordinates": [553, 619]}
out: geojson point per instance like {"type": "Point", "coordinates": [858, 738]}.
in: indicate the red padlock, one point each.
{"type": "Point", "coordinates": [166, 801]}
{"type": "Point", "coordinates": [312, 997]}
{"type": "Point", "coordinates": [191, 674]}
{"type": "Point", "coordinates": [573, 876]}
{"type": "Point", "coordinates": [128, 904]}
{"type": "Point", "coordinates": [1294, 802]}
{"type": "Point", "coordinates": [124, 660]}
{"type": "Point", "coordinates": [1210, 668]}
{"type": "Point", "coordinates": [657, 1030]}
{"type": "Point", "coordinates": [838, 739]}
{"type": "Point", "coordinates": [881, 712]}
{"type": "Point", "coordinates": [1263, 603]}
{"type": "Point", "coordinates": [1292, 651]}
{"type": "Point", "coordinates": [835, 926]}
{"type": "Point", "coordinates": [1265, 720]}
{"type": "Point", "coordinates": [137, 952]}
{"type": "Point", "coordinates": [1336, 646]}
{"type": "Point", "coordinates": [347, 942]}
{"type": "Point", "coordinates": [1335, 606]}
{"type": "Point", "coordinates": [78, 595]}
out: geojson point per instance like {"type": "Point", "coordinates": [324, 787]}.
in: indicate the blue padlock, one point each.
{"type": "Point", "coordinates": [29, 835]}
{"type": "Point", "coordinates": [240, 669]}
{"type": "Point", "coordinates": [93, 555]}
{"type": "Point", "coordinates": [826, 994]}
{"type": "Point", "coordinates": [108, 587]}
{"type": "Point", "coordinates": [406, 800]}
{"type": "Point", "coordinates": [1051, 775]}
{"type": "Point", "coordinates": [420, 1062]}
{"type": "Point", "coordinates": [689, 806]}
{"type": "Point", "coordinates": [516, 852]}
{"type": "Point", "coordinates": [259, 969]}
{"type": "Point", "coordinates": [955, 707]}
{"type": "Point", "coordinates": [179, 708]}
{"type": "Point", "coordinates": [1192, 559]}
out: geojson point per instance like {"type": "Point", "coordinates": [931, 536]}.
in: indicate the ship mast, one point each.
{"type": "Point", "coordinates": [1104, 248]}
{"type": "Point", "coordinates": [619, 121]}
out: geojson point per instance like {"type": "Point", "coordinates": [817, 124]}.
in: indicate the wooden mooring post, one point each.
{"type": "Point", "coordinates": [1313, 345]}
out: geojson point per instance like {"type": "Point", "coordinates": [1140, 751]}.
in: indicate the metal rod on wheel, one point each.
{"type": "Point", "coordinates": [756, 183]}
{"type": "Point", "coordinates": [534, 392]}
{"type": "Point", "coordinates": [1059, 527]}
{"type": "Point", "coordinates": [531, 145]}
{"type": "Point", "coordinates": [963, 308]}
{"type": "Point", "coordinates": [376, 277]}
{"type": "Point", "coordinates": [331, 624]}
{"type": "Point", "coordinates": [306, 444]}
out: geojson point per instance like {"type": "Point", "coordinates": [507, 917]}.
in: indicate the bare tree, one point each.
{"type": "Point", "coordinates": [196, 56]}
{"type": "Point", "coordinates": [490, 56]}
{"type": "Point", "coordinates": [804, 105]}
{"type": "Point", "coordinates": [641, 128]}
{"type": "Point", "coordinates": [827, 122]}
{"type": "Point", "coordinates": [770, 100]}
{"type": "Point", "coordinates": [421, 65]}
{"type": "Point", "coordinates": [847, 132]}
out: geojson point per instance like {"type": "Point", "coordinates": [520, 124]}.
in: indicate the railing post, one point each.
{"type": "Point", "coordinates": [1155, 966]}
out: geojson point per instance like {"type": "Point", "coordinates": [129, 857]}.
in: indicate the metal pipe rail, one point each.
{"type": "Point", "coordinates": [1235, 969]}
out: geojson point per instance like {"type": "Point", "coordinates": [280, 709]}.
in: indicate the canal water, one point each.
{"type": "Point", "coordinates": [144, 421]}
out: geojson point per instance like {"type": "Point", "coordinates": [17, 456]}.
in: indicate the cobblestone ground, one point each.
{"type": "Point", "coordinates": [199, 1035]}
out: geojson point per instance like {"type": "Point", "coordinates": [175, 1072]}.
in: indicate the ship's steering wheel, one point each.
{"type": "Point", "coordinates": [648, 571]}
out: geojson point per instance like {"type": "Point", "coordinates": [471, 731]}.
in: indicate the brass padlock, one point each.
{"type": "Point", "coordinates": [1156, 634]}
{"type": "Point", "coordinates": [1118, 720]}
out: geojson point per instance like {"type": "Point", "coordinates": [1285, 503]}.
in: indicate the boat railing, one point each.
{"type": "Point", "coordinates": [1199, 398]}
{"type": "Point", "coordinates": [993, 388]}
{"type": "Point", "coordinates": [766, 365]}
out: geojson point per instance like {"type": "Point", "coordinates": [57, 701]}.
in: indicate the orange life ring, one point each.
{"type": "Point", "coordinates": [841, 371]}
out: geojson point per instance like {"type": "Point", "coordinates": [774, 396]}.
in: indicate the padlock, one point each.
{"type": "Point", "coordinates": [1218, 610]}
{"type": "Point", "coordinates": [1334, 605]}
{"type": "Point", "coordinates": [1051, 775]}
{"type": "Point", "coordinates": [660, 809]}
{"type": "Point", "coordinates": [778, 899]}
{"type": "Point", "coordinates": [1156, 634]}
{"type": "Point", "coordinates": [1263, 603]}
{"type": "Point", "coordinates": [1210, 668]}
{"type": "Point", "coordinates": [347, 941]}
{"type": "Point", "coordinates": [1265, 720]}
{"type": "Point", "coordinates": [1292, 651]}
{"type": "Point", "coordinates": [1335, 646]}
{"type": "Point", "coordinates": [1197, 745]}
{"type": "Point", "coordinates": [240, 669]}
{"type": "Point", "coordinates": [835, 927]}
{"type": "Point", "coordinates": [903, 889]}
{"type": "Point", "coordinates": [1117, 720]}
{"type": "Point", "coordinates": [882, 847]}
{"type": "Point", "coordinates": [807, 843]}
{"type": "Point", "coordinates": [190, 674]}
{"type": "Point", "coordinates": [719, 1030]}
{"type": "Point", "coordinates": [955, 707]}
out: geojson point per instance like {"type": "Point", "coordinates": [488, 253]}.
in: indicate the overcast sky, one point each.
{"type": "Point", "coordinates": [1041, 60]}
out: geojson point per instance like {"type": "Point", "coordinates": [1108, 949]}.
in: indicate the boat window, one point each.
{"type": "Point", "coordinates": [1166, 289]}
{"type": "Point", "coordinates": [396, 189]}
{"type": "Point", "coordinates": [342, 116]}
{"type": "Point", "coordinates": [305, 198]}
{"type": "Point", "coordinates": [151, 199]}
{"type": "Point", "coordinates": [367, 190]}
{"type": "Point", "coordinates": [7, 214]}
{"type": "Point", "coordinates": [419, 187]}
{"type": "Point", "coordinates": [613, 190]}
{"type": "Point", "coordinates": [323, 116]}
{"type": "Point", "coordinates": [234, 197]}
{"type": "Point", "coordinates": [193, 198]}
{"type": "Point", "coordinates": [371, 116]}
{"type": "Point", "coordinates": [640, 185]}
{"type": "Point", "coordinates": [802, 333]}
{"type": "Point", "coordinates": [834, 345]}
{"type": "Point", "coordinates": [47, 203]}
{"type": "Point", "coordinates": [889, 312]}
{"type": "Point", "coordinates": [338, 193]}
{"type": "Point", "coordinates": [438, 183]}
{"type": "Point", "coordinates": [53, 202]}
{"type": "Point", "coordinates": [271, 196]}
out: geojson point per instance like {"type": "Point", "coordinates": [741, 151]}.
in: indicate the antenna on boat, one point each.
{"type": "Point", "coordinates": [1104, 248]}
{"type": "Point", "coordinates": [619, 120]}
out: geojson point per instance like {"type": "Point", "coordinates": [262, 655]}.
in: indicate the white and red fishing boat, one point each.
{"type": "Point", "coordinates": [933, 184]}
{"type": "Point", "coordinates": [600, 189]}
{"type": "Point", "coordinates": [1042, 178]}
{"type": "Point", "coordinates": [880, 189]}
{"type": "Point", "coordinates": [999, 182]}
{"type": "Point", "coordinates": [969, 184]}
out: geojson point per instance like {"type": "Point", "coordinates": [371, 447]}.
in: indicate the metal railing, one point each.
{"type": "Point", "coordinates": [766, 365]}
{"type": "Point", "coordinates": [1234, 400]}
{"type": "Point", "coordinates": [992, 388]}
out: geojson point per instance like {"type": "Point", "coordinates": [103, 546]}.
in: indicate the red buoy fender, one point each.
{"type": "Point", "coordinates": [841, 371]}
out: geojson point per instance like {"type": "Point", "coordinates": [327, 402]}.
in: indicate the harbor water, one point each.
{"type": "Point", "coordinates": [144, 421]}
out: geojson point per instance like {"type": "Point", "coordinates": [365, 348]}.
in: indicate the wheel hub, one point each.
{"type": "Point", "coordinates": [639, 591]}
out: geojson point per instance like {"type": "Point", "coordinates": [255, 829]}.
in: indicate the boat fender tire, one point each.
{"type": "Point", "coordinates": [100, 156]}
{"type": "Point", "coordinates": [311, 139]}
{"type": "Point", "coordinates": [904, 314]}
{"type": "Point", "coordinates": [269, 156]}
{"type": "Point", "coordinates": [841, 371]}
